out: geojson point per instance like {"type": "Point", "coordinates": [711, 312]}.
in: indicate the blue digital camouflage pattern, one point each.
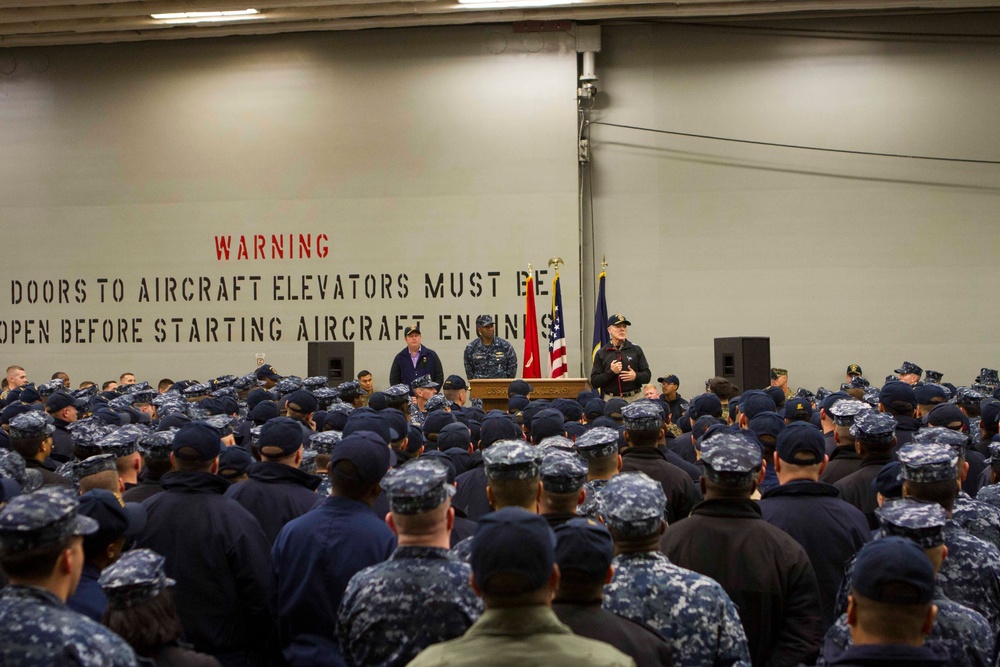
{"type": "Point", "coordinates": [397, 392]}
{"type": "Point", "coordinates": [350, 390]}
{"type": "Point", "coordinates": [419, 486]}
{"type": "Point", "coordinates": [417, 416]}
{"type": "Point", "coordinates": [844, 411]}
{"type": "Point", "coordinates": [497, 360]}
{"type": "Point", "coordinates": [46, 517]}
{"type": "Point", "coordinates": [12, 466]}
{"type": "Point", "coordinates": [246, 382]}
{"type": "Point", "coordinates": [314, 382]}
{"type": "Point", "coordinates": [979, 518]}
{"type": "Point", "coordinates": [38, 630]}
{"type": "Point", "coordinates": [437, 402]}
{"type": "Point", "coordinates": [989, 377]}
{"type": "Point", "coordinates": [324, 487]}
{"type": "Point", "coordinates": [324, 442]}
{"type": "Point", "coordinates": [873, 426]}
{"type": "Point", "coordinates": [86, 433]}
{"type": "Point", "coordinates": [633, 504]}
{"type": "Point", "coordinates": [970, 575]}
{"type": "Point", "coordinates": [31, 425]}
{"type": "Point", "coordinates": [557, 443]}
{"type": "Point", "coordinates": [597, 442]}
{"type": "Point", "coordinates": [287, 385]}
{"type": "Point", "coordinates": [933, 376]}
{"type": "Point", "coordinates": [642, 416]}
{"type": "Point", "coordinates": [134, 578]}
{"type": "Point", "coordinates": [511, 459]}
{"type": "Point", "coordinates": [50, 387]}
{"type": "Point", "coordinates": [157, 444]}
{"type": "Point", "coordinates": [967, 396]}
{"type": "Point", "coordinates": [730, 459]}
{"type": "Point", "coordinates": [960, 631]}
{"type": "Point", "coordinates": [392, 611]}
{"type": "Point", "coordinates": [691, 611]}
{"type": "Point", "coordinates": [463, 550]}
{"type": "Point", "coordinates": [77, 470]}
{"type": "Point", "coordinates": [924, 463]}
{"type": "Point", "coordinates": [326, 397]}
{"type": "Point", "coordinates": [197, 389]}
{"type": "Point", "coordinates": [907, 368]}
{"type": "Point", "coordinates": [593, 503]}
{"type": "Point", "coordinates": [424, 382]}
{"type": "Point", "coordinates": [989, 495]}
{"type": "Point", "coordinates": [122, 441]}
{"type": "Point", "coordinates": [169, 405]}
{"type": "Point", "coordinates": [562, 471]}
{"type": "Point", "coordinates": [308, 462]}
{"type": "Point", "coordinates": [221, 423]}
{"type": "Point", "coordinates": [939, 435]}
{"type": "Point", "coordinates": [918, 521]}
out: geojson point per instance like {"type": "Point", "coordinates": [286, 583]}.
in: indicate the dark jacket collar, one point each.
{"type": "Point", "coordinates": [644, 453]}
{"type": "Point", "coordinates": [845, 452]}
{"type": "Point", "coordinates": [271, 472]}
{"type": "Point", "coordinates": [193, 482]}
{"type": "Point", "coordinates": [742, 508]}
{"type": "Point", "coordinates": [802, 487]}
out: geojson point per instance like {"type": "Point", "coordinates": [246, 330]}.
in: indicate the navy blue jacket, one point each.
{"type": "Point", "coordinates": [88, 598]}
{"type": "Point", "coordinates": [275, 494]}
{"type": "Point", "coordinates": [218, 554]}
{"type": "Point", "coordinates": [829, 529]}
{"type": "Point", "coordinates": [470, 497]}
{"type": "Point", "coordinates": [402, 371]}
{"type": "Point", "coordinates": [889, 655]}
{"type": "Point", "coordinates": [312, 560]}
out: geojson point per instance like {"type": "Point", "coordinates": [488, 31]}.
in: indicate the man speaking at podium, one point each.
{"type": "Point", "coordinates": [620, 367]}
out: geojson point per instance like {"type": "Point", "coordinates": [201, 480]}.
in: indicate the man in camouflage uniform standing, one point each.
{"type": "Point", "coordinates": [962, 632]}
{"type": "Point", "coordinates": [382, 617]}
{"type": "Point", "coordinates": [691, 611]}
{"type": "Point", "coordinates": [489, 356]}
{"type": "Point", "coordinates": [41, 550]}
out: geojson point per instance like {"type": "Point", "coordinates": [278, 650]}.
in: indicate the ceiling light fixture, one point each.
{"type": "Point", "coordinates": [208, 17]}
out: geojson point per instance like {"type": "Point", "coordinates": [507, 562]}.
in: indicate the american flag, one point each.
{"type": "Point", "coordinates": [557, 334]}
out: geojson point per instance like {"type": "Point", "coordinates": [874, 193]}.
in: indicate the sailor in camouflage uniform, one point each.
{"type": "Point", "coordinates": [599, 447]}
{"type": "Point", "coordinates": [960, 631]}
{"type": "Point", "coordinates": [970, 575]}
{"type": "Point", "coordinates": [968, 399]}
{"type": "Point", "coordinates": [421, 595]}
{"type": "Point", "coordinates": [323, 443]}
{"type": "Point", "coordinates": [563, 474]}
{"type": "Point", "coordinates": [495, 359]}
{"type": "Point", "coordinates": [513, 466]}
{"type": "Point", "coordinates": [978, 518]}
{"type": "Point", "coordinates": [424, 387]}
{"type": "Point", "coordinates": [36, 627]}
{"type": "Point", "coordinates": [691, 611]}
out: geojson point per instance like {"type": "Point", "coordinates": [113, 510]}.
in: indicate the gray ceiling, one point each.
{"type": "Point", "coordinates": [51, 22]}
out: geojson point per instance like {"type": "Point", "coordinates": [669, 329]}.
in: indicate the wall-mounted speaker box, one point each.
{"type": "Point", "coordinates": [744, 360]}
{"type": "Point", "coordinates": [334, 361]}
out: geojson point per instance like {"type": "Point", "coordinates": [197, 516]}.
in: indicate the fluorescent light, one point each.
{"type": "Point", "coordinates": [505, 4]}
{"type": "Point", "coordinates": [209, 17]}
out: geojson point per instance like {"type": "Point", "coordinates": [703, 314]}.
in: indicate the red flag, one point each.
{"type": "Point", "coordinates": [532, 365]}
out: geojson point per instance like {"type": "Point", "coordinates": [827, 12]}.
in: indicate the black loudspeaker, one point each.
{"type": "Point", "coordinates": [334, 361]}
{"type": "Point", "coordinates": [745, 361]}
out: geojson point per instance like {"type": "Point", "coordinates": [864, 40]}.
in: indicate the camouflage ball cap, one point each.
{"type": "Point", "coordinates": [933, 376]}
{"type": "Point", "coordinates": [994, 449]}
{"type": "Point", "coordinates": [136, 577]}
{"type": "Point", "coordinates": [511, 459]}
{"type": "Point", "coordinates": [31, 424]}
{"type": "Point", "coordinates": [874, 427]}
{"type": "Point", "coordinates": [967, 396]}
{"type": "Point", "coordinates": [642, 416]}
{"type": "Point", "coordinates": [908, 368]}
{"type": "Point", "coordinates": [324, 442]}
{"type": "Point", "coordinates": [597, 442]}
{"type": "Point", "coordinates": [46, 517]}
{"type": "Point", "coordinates": [12, 466]}
{"type": "Point", "coordinates": [634, 504]}
{"type": "Point", "coordinates": [556, 443]}
{"type": "Point", "coordinates": [928, 463]}
{"type": "Point", "coordinates": [563, 472]}
{"type": "Point", "coordinates": [424, 382]}
{"type": "Point", "coordinates": [157, 444]}
{"type": "Point", "coordinates": [417, 487]}
{"type": "Point", "coordinates": [730, 459]}
{"type": "Point", "coordinates": [437, 402]}
{"type": "Point", "coordinates": [939, 435]}
{"type": "Point", "coordinates": [397, 394]}
{"type": "Point", "coordinates": [123, 442]}
{"type": "Point", "coordinates": [845, 410]}
{"type": "Point", "coordinates": [350, 390]}
{"type": "Point", "coordinates": [921, 522]}
{"type": "Point", "coordinates": [77, 470]}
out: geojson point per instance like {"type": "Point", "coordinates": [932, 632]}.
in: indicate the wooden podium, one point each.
{"type": "Point", "coordinates": [494, 392]}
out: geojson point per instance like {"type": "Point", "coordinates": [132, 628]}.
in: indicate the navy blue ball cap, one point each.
{"type": "Point", "coordinates": [367, 420]}
{"type": "Point", "coordinates": [302, 401]}
{"type": "Point", "coordinates": [516, 543]}
{"type": "Point", "coordinates": [234, 462]}
{"type": "Point", "coordinates": [705, 404]}
{"type": "Point", "coordinates": [897, 392]}
{"type": "Point", "coordinates": [801, 443]}
{"type": "Point", "coordinates": [368, 453]}
{"type": "Point", "coordinates": [894, 570]}
{"type": "Point", "coordinates": [618, 319]}
{"type": "Point", "coordinates": [279, 437]}
{"type": "Point", "coordinates": [498, 427]}
{"type": "Point", "coordinates": [585, 546]}
{"type": "Point", "coordinates": [196, 441]}
{"type": "Point", "coordinates": [114, 519]}
{"type": "Point", "coordinates": [455, 382]}
{"type": "Point", "coordinates": [519, 387]}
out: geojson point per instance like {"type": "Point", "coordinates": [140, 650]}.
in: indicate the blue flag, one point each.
{"type": "Point", "coordinates": [601, 337]}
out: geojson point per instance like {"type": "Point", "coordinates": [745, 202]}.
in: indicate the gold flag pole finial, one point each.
{"type": "Point", "coordinates": [604, 262]}
{"type": "Point", "coordinates": [556, 261]}
{"type": "Point", "coordinates": [529, 267]}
